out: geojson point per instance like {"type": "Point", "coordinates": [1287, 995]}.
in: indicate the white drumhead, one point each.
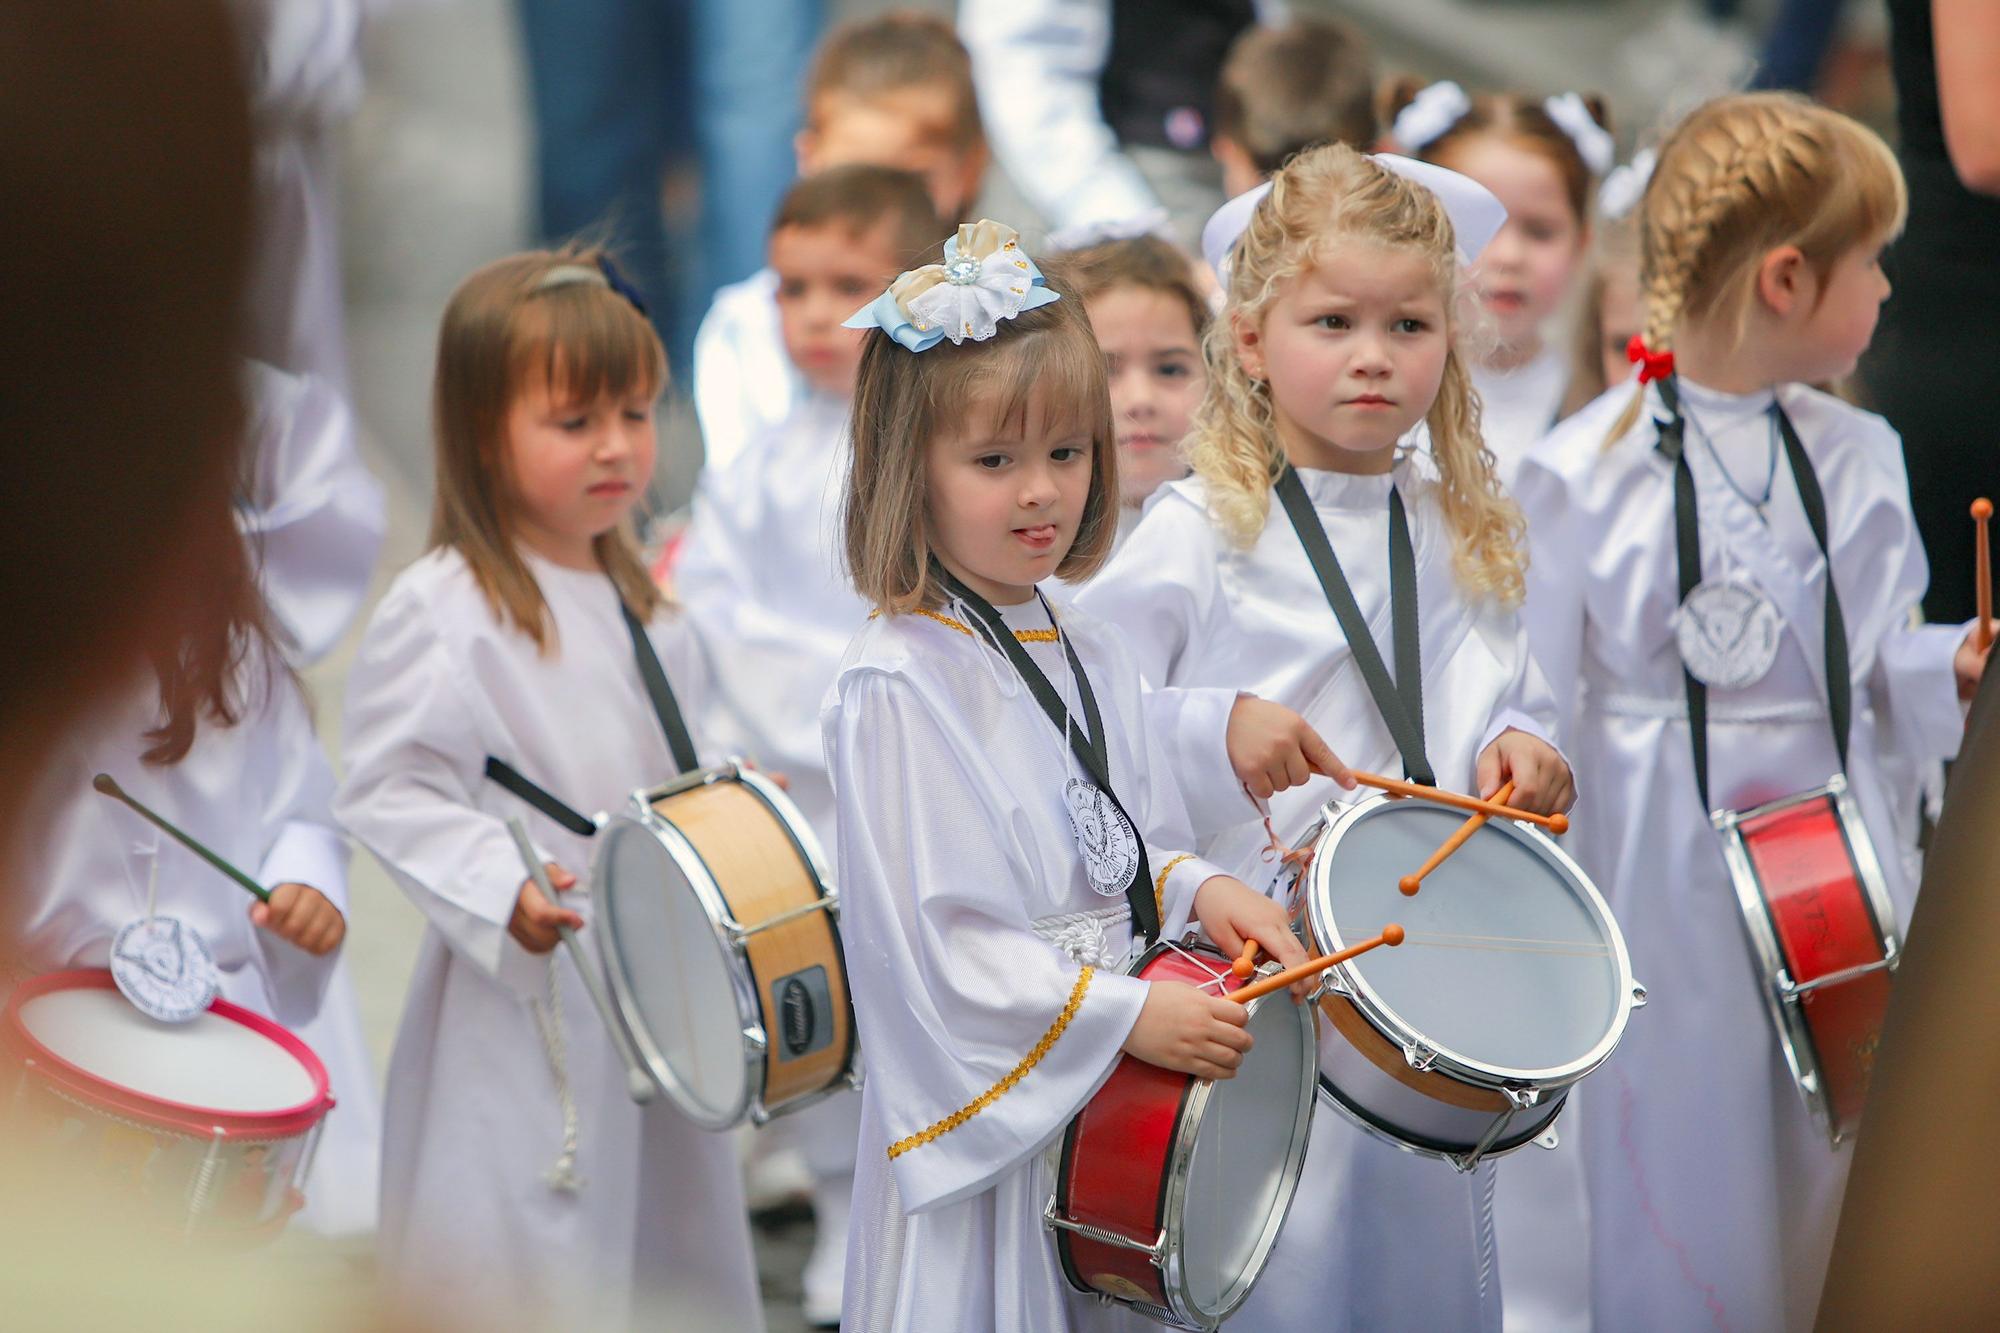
{"type": "Point", "coordinates": [1511, 961]}
{"type": "Point", "coordinates": [211, 1062]}
{"type": "Point", "coordinates": [680, 989]}
{"type": "Point", "coordinates": [1244, 1167]}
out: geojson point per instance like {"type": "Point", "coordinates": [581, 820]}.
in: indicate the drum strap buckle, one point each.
{"type": "Point", "coordinates": [1156, 1252]}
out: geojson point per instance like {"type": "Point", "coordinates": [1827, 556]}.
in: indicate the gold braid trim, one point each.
{"type": "Point", "coordinates": [1021, 635]}
{"type": "Point", "coordinates": [1160, 883]}
{"type": "Point", "coordinates": [1014, 1075]}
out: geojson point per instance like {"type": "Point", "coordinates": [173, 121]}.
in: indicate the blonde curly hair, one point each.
{"type": "Point", "coordinates": [1322, 197]}
{"type": "Point", "coordinates": [1740, 177]}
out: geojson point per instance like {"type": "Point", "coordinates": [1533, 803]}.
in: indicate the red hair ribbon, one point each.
{"type": "Point", "coordinates": [1652, 365]}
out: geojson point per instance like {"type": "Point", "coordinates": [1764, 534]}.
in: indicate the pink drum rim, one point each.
{"type": "Point", "coordinates": [181, 1118]}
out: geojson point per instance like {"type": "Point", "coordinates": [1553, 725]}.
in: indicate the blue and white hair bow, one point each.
{"type": "Point", "coordinates": [1476, 213]}
{"type": "Point", "coordinates": [986, 277]}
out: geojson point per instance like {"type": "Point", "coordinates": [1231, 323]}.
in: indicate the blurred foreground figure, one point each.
{"type": "Point", "coordinates": [1918, 1245]}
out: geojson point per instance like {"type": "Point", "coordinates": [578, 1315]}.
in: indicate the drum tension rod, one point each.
{"type": "Point", "coordinates": [1155, 1252]}
{"type": "Point", "coordinates": [739, 931]}
{"type": "Point", "coordinates": [1788, 989]}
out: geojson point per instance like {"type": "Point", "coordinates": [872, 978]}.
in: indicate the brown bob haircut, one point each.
{"type": "Point", "coordinates": [1041, 371]}
{"type": "Point", "coordinates": [1151, 263]}
{"type": "Point", "coordinates": [548, 316]}
{"type": "Point", "coordinates": [876, 58]}
{"type": "Point", "coordinates": [860, 198]}
{"type": "Point", "coordinates": [1290, 88]}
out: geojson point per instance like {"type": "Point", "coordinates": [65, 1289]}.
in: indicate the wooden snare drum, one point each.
{"type": "Point", "coordinates": [1511, 986]}
{"type": "Point", "coordinates": [717, 925]}
{"type": "Point", "coordinates": [1822, 935]}
{"type": "Point", "coordinates": [1172, 1188]}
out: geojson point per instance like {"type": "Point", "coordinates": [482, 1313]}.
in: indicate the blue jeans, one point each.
{"type": "Point", "coordinates": [626, 91]}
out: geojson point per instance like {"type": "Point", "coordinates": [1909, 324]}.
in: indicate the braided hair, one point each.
{"type": "Point", "coordinates": [1741, 176]}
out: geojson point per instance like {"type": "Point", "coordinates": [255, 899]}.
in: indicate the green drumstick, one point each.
{"type": "Point", "coordinates": [105, 784]}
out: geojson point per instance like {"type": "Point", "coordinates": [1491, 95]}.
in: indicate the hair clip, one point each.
{"type": "Point", "coordinates": [1652, 365]}
{"type": "Point", "coordinates": [1594, 143]}
{"type": "Point", "coordinates": [1429, 115]}
{"type": "Point", "coordinates": [986, 277]}
{"type": "Point", "coordinates": [1626, 186]}
{"type": "Point", "coordinates": [619, 283]}
{"type": "Point", "coordinates": [1476, 213]}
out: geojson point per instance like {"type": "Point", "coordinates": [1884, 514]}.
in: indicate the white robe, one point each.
{"type": "Point", "coordinates": [960, 876]}
{"type": "Point", "coordinates": [314, 514]}
{"type": "Point", "coordinates": [474, 1118]}
{"type": "Point", "coordinates": [259, 794]}
{"type": "Point", "coordinates": [1713, 1196]}
{"type": "Point", "coordinates": [744, 383]}
{"type": "Point", "coordinates": [1518, 407]}
{"type": "Point", "coordinates": [1207, 620]}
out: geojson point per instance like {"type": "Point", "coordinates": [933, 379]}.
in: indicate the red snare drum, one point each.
{"type": "Point", "coordinates": [207, 1125]}
{"type": "Point", "coordinates": [1172, 1188]}
{"type": "Point", "coordinates": [1823, 935]}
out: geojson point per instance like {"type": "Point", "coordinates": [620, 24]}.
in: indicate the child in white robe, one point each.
{"type": "Point", "coordinates": [1339, 336]}
{"type": "Point", "coordinates": [1543, 159]}
{"type": "Point", "coordinates": [219, 742]}
{"type": "Point", "coordinates": [987, 951]}
{"type": "Point", "coordinates": [520, 1183]}
{"type": "Point", "coordinates": [1713, 1193]}
{"type": "Point", "coordinates": [759, 573]}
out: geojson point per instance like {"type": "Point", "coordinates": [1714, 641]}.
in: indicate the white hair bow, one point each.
{"type": "Point", "coordinates": [986, 277]}
{"type": "Point", "coordinates": [1594, 143]}
{"type": "Point", "coordinates": [1429, 114]}
{"type": "Point", "coordinates": [1476, 213]}
{"type": "Point", "coordinates": [1626, 185]}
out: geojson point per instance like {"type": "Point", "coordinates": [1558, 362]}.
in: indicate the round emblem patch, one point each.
{"type": "Point", "coordinates": [164, 968]}
{"type": "Point", "coordinates": [1727, 632]}
{"type": "Point", "coordinates": [1109, 846]}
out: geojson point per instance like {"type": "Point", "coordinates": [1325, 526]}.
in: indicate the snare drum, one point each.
{"type": "Point", "coordinates": [210, 1124]}
{"type": "Point", "coordinates": [716, 919]}
{"type": "Point", "coordinates": [1511, 985]}
{"type": "Point", "coordinates": [1172, 1188]}
{"type": "Point", "coordinates": [1822, 935]}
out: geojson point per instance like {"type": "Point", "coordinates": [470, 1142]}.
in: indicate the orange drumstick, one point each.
{"type": "Point", "coordinates": [1557, 824]}
{"type": "Point", "coordinates": [1982, 509]}
{"type": "Point", "coordinates": [1392, 935]}
{"type": "Point", "coordinates": [1409, 884]}
{"type": "Point", "coordinates": [1247, 962]}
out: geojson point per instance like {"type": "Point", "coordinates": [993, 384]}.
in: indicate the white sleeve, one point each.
{"type": "Point", "coordinates": [983, 1039]}
{"type": "Point", "coordinates": [1554, 613]}
{"type": "Point", "coordinates": [305, 59]}
{"type": "Point", "coordinates": [1036, 64]}
{"type": "Point", "coordinates": [415, 761]}
{"type": "Point", "coordinates": [313, 513]}
{"type": "Point", "coordinates": [1162, 591]}
{"type": "Point", "coordinates": [304, 846]}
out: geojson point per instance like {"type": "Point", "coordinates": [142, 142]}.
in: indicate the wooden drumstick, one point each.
{"type": "Point", "coordinates": [1392, 935]}
{"type": "Point", "coordinates": [639, 1084]}
{"type": "Point", "coordinates": [1409, 884]}
{"type": "Point", "coordinates": [104, 783]}
{"type": "Point", "coordinates": [1247, 962]}
{"type": "Point", "coordinates": [1982, 509]}
{"type": "Point", "coordinates": [1557, 824]}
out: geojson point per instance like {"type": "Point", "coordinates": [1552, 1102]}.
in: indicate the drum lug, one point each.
{"type": "Point", "coordinates": [1638, 995]}
{"type": "Point", "coordinates": [1156, 1253]}
{"type": "Point", "coordinates": [1549, 1142]}
{"type": "Point", "coordinates": [1523, 1099]}
{"type": "Point", "coordinates": [1420, 1056]}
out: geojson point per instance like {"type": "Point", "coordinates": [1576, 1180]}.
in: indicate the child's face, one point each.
{"type": "Point", "coordinates": [907, 128]}
{"type": "Point", "coordinates": [1153, 363]}
{"type": "Point", "coordinates": [1004, 500]}
{"type": "Point", "coordinates": [1353, 351]}
{"type": "Point", "coordinates": [826, 274]}
{"type": "Point", "coordinates": [1524, 271]}
{"type": "Point", "coordinates": [1620, 318]}
{"type": "Point", "coordinates": [575, 470]}
{"type": "Point", "coordinates": [1835, 321]}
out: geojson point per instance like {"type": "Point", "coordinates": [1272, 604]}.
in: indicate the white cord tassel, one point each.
{"type": "Point", "coordinates": [562, 1176]}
